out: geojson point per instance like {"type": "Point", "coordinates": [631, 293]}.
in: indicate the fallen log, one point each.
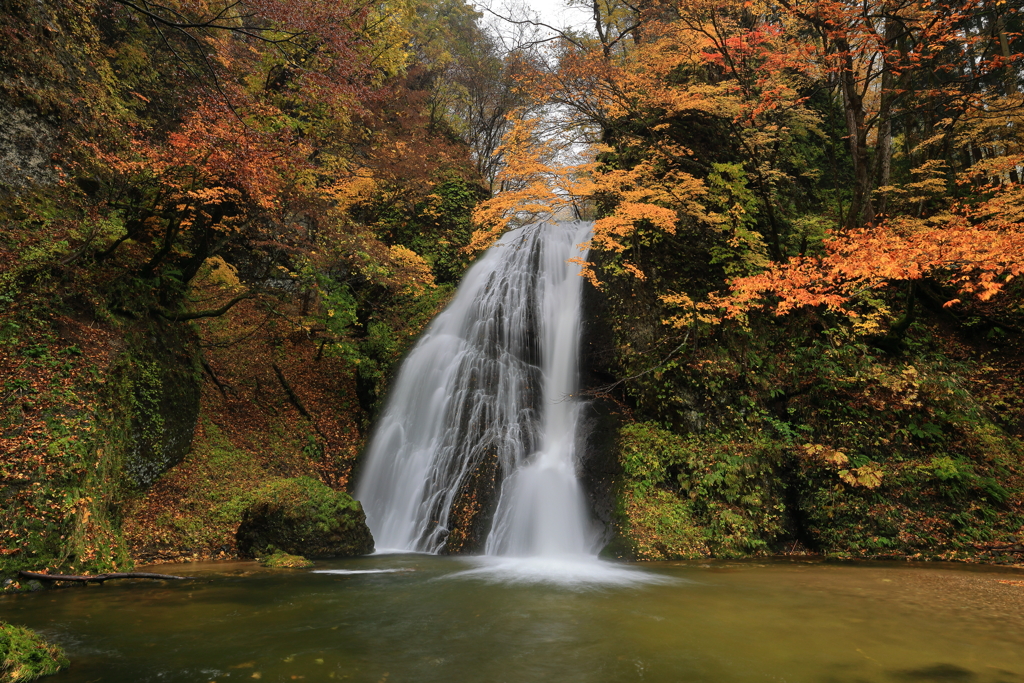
{"type": "Point", "coordinates": [97, 578]}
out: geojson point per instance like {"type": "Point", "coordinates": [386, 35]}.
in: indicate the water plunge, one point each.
{"type": "Point", "coordinates": [476, 447]}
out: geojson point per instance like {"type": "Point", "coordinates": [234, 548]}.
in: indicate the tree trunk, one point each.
{"type": "Point", "coordinates": [861, 209]}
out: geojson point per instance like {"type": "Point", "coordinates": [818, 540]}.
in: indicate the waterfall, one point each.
{"type": "Point", "coordinates": [478, 436]}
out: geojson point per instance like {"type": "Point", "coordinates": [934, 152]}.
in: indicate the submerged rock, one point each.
{"type": "Point", "coordinates": [302, 516]}
{"type": "Point", "coordinates": [282, 560]}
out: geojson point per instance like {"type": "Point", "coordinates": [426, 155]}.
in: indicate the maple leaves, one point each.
{"type": "Point", "coordinates": [535, 186]}
{"type": "Point", "coordinates": [648, 174]}
{"type": "Point", "coordinates": [303, 115]}
{"type": "Point", "coordinates": [973, 246]}
{"type": "Point", "coordinates": [929, 186]}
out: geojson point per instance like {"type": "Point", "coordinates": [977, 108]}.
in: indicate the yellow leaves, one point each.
{"type": "Point", "coordinates": [537, 183]}
{"type": "Point", "coordinates": [347, 190]}
{"type": "Point", "coordinates": [610, 233]}
{"type": "Point", "coordinates": [633, 270]}
{"type": "Point", "coordinates": [873, 323]}
{"type": "Point", "coordinates": [411, 272]}
{"type": "Point", "coordinates": [867, 476]}
{"type": "Point", "coordinates": [221, 273]}
{"type": "Point", "coordinates": [823, 453]}
{"type": "Point", "coordinates": [647, 199]}
{"type": "Point", "coordinates": [690, 311]}
{"type": "Point", "coordinates": [679, 301]}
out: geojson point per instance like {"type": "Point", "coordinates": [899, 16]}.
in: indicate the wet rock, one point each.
{"type": "Point", "coordinates": [27, 140]}
{"type": "Point", "coordinates": [303, 516]}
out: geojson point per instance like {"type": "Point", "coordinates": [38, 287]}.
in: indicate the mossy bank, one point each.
{"type": "Point", "coordinates": [26, 656]}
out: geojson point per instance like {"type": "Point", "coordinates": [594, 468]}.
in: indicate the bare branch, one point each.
{"type": "Point", "coordinates": [212, 312]}
{"type": "Point", "coordinates": [536, 24]}
{"type": "Point", "coordinates": [211, 23]}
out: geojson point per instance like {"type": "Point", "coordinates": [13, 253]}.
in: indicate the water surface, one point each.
{"type": "Point", "coordinates": [392, 618]}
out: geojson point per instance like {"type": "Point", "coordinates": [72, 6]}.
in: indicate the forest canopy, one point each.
{"type": "Point", "coordinates": [819, 151]}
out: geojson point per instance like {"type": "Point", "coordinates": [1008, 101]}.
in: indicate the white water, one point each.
{"type": "Point", "coordinates": [495, 376]}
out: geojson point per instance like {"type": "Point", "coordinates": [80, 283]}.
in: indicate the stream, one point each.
{"type": "Point", "coordinates": [414, 617]}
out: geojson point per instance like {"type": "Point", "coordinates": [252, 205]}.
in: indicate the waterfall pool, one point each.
{"type": "Point", "coordinates": [401, 617]}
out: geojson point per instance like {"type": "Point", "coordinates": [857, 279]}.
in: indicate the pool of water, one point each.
{"type": "Point", "coordinates": [394, 618]}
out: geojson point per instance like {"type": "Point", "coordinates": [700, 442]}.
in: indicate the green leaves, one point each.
{"type": "Point", "coordinates": [723, 486]}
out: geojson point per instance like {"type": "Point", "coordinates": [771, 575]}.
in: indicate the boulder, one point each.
{"type": "Point", "coordinates": [303, 516]}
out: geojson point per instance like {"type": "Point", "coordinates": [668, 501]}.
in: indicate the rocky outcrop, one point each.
{"type": "Point", "coordinates": [27, 140]}
{"type": "Point", "coordinates": [154, 389]}
{"type": "Point", "coordinates": [303, 516]}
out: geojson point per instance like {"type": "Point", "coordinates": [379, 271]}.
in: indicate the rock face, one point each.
{"type": "Point", "coordinates": [26, 142]}
{"type": "Point", "coordinates": [302, 516]}
{"type": "Point", "coordinates": [599, 468]}
{"type": "Point", "coordinates": [160, 391]}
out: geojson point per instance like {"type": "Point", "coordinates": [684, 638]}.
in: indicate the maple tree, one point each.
{"type": "Point", "coordinates": [854, 171]}
{"type": "Point", "coordinates": [215, 184]}
{"type": "Point", "coordinates": [924, 95]}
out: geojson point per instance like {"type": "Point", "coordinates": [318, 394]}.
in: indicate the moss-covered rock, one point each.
{"type": "Point", "coordinates": [282, 560]}
{"type": "Point", "coordinates": [26, 656]}
{"type": "Point", "coordinates": [155, 399]}
{"type": "Point", "coordinates": [302, 516]}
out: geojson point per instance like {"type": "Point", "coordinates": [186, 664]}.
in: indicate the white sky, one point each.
{"type": "Point", "coordinates": [555, 12]}
{"type": "Point", "coordinates": [552, 12]}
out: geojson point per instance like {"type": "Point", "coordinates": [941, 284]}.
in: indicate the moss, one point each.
{"type": "Point", "coordinates": [657, 525]}
{"type": "Point", "coordinates": [210, 488]}
{"type": "Point", "coordinates": [154, 400]}
{"type": "Point", "coordinates": [303, 516]}
{"type": "Point", "coordinates": [26, 656]}
{"type": "Point", "coordinates": [717, 494]}
{"type": "Point", "coordinates": [282, 560]}
{"type": "Point", "coordinates": [108, 425]}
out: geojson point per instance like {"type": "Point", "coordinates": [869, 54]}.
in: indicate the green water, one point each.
{"type": "Point", "coordinates": [716, 622]}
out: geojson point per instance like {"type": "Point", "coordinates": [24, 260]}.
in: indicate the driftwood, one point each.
{"type": "Point", "coordinates": [97, 578]}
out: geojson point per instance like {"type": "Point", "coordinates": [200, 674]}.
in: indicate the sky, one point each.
{"type": "Point", "coordinates": [552, 12]}
{"type": "Point", "coordinates": [555, 12]}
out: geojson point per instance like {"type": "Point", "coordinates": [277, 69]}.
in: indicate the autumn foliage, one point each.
{"type": "Point", "coordinates": [267, 192]}
{"type": "Point", "coordinates": [816, 151]}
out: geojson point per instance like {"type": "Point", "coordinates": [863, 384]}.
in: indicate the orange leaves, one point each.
{"type": "Point", "coordinates": [411, 271]}
{"type": "Point", "coordinates": [538, 183]}
{"type": "Point", "coordinates": [609, 232]}
{"type": "Point", "coordinates": [707, 67]}
{"type": "Point", "coordinates": [979, 260]}
{"type": "Point", "coordinates": [227, 156]}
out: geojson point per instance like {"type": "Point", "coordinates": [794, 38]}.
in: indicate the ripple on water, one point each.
{"type": "Point", "coordinates": [361, 571]}
{"type": "Point", "coordinates": [569, 572]}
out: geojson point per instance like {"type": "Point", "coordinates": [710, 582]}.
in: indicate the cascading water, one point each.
{"type": "Point", "coordinates": [486, 402]}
